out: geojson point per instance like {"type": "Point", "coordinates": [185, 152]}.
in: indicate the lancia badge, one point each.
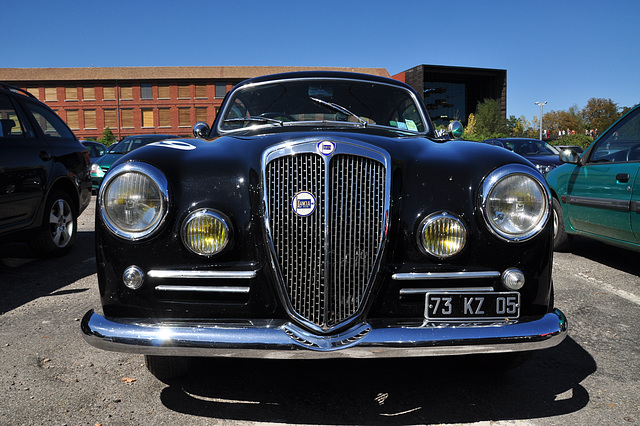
{"type": "Point", "coordinates": [304, 203]}
{"type": "Point", "coordinates": [326, 147]}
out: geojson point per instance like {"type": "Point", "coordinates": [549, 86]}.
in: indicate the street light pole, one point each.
{"type": "Point", "coordinates": [541, 105]}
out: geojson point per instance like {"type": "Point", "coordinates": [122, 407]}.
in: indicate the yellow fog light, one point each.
{"type": "Point", "coordinates": [205, 232]}
{"type": "Point", "coordinates": [442, 235]}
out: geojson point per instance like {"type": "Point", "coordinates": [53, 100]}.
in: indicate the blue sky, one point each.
{"type": "Point", "coordinates": [562, 52]}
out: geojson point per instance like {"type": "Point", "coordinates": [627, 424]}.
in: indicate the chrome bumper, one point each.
{"type": "Point", "coordinates": [283, 340]}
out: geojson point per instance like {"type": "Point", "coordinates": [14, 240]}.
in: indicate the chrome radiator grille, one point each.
{"type": "Point", "coordinates": [326, 258]}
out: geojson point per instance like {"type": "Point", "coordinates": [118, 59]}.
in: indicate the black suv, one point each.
{"type": "Point", "coordinates": [45, 180]}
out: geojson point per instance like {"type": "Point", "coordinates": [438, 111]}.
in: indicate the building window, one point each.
{"type": "Point", "coordinates": [71, 93]}
{"type": "Point", "coordinates": [201, 91]}
{"type": "Point", "coordinates": [164, 92]}
{"type": "Point", "coordinates": [110, 119]}
{"type": "Point", "coordinates": [126, 118]}
{"type": "Point", "coordinates": [184, 117]}
{"type": "Point", "coordinates": [221, 90]}
{"type": "Point", "coordinates": [183, 92]}
{"type": "Point", "coordinates": [164, 117]}
{"type": "Point", "coordinates": [109, 93]}
{"type": "Point", "coordinates": [146, 91]}
{"type": "Point", "coordinates": [90, 119]}
{"type": "Point", "coordinates": [147, 117]}
{"type": "Point", "coordinates": [72, 119]}
{"type": "Point", "coordinates": [201, 114]}
{"type": "Point", "coordinates": [34, 91]}
{"type": "Point", "coordinates": [89, 93]}
{"type": "Point", "coordinates": [126, 93]}
{"type": "Point", "coordinates": [50, 94]}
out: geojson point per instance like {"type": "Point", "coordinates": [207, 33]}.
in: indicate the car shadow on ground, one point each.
{"type": "Point", "coordinates": [24, 277]}
{"type": "Point", "coordinates": [387, 391]}
{"type": "Point", "coordinates": [614, 257]}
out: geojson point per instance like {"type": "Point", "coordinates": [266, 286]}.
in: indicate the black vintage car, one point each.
{"type": "Point", "coordinates": [320, 217]}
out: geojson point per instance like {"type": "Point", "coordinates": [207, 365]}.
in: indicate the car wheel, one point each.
{"type": "Point", "coordinates": [58, 231]}
{"type": "Point", "coordinates": [561, 240]}
{"type": "Point", "coordinates": [166, 367]}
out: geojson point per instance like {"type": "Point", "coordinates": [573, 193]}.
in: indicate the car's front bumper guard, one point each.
{"type": "Point", "coordinates": [282, 339]}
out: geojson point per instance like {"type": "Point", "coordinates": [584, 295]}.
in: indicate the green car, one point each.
{"type": "Point", "coordinates": [101, 166]}
{"type": "Point", "coordinates": [597, 195]}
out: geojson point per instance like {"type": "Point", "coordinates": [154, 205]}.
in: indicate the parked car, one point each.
{"type": "Point", "coordinates": [597, 195]}
{"type": "Point", "coordinates": [44, 175]}
{"type": "Point", "coordinates": [101, 166]}
{"type": "Point", "coordinates": [96, 149]}
{"type": "Point", "coordinates": [541, 154]}
{"type": "Point", "coordinates": [318, 217]}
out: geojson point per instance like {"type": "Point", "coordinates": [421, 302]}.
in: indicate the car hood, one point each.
{"type": "Point", "coordinates": [229, 168]}
{"type": "Point", "coordinates": [545, 160]}
{"type": "Point", "coordinates": [107, 160]}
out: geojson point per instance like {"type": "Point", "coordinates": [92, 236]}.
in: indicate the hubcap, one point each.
{"type": "Point", "coordinates": [61, 223]}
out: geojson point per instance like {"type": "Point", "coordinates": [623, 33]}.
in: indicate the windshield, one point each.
{"type": "Point", "coordinates": [530, 147]}
{"type": "Point", "coordinates": [329, 102]}
{"type": "Point", "coordinates": [129, 144]}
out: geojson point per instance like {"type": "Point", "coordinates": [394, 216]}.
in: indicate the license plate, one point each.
{"type": "Point", "coordinates": [468, 306]}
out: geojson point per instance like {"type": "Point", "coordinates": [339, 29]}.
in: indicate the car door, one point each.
{"type": "Point", "coordinates": [600, 194]}
{"type": "Point", "coordinates": [25, 164]}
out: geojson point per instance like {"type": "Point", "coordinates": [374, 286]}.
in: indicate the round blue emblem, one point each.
{"type": "Point", "coordinates": [326, 147]}
{"type": "Point", "coordinates": [304, 203]}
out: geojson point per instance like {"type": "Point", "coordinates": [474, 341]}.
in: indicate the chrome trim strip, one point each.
{"type": "Point", "coordinates": [603, 203]}
{"type": "Point", "coordinates": [204, 289]}
{"type": "Point", "coordinates": [411, 291]}
{"type": "Point", "coordinates": [412, 276]}
{"type": "Point", "coordinates": [165, 273]}
{"type": "Point", "coordinates": [280, 339]}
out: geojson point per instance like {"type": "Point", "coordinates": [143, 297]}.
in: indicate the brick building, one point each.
{"type": "Point", "coordinates": [139, 100]}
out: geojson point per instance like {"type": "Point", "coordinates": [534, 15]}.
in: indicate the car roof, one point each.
{"type": "Point", "coordinates": [324, 74]}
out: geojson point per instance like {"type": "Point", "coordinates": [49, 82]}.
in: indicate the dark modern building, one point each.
{"type": "Point", "coordinates": [454, 92]}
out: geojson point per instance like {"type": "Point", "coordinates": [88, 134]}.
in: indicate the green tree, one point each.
{"type": "Point", "coordinates": [600, 113]}
{"type": "Point", "coordinates": [489, 119]}
{"type": "Point", "coordinates": [107, 137]}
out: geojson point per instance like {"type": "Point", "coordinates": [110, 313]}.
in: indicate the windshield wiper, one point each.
{"type": "Point", "coordinates": [339, 108]}
{"type": "Point", "coordinates": [254, 119]}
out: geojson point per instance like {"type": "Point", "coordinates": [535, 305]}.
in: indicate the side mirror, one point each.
{"type": "Point", "coordinates": [569, 156]}
{"type": "Point", "coordinates": [455, 129]}
{"type": "Point", "coordinates": [201, 130]}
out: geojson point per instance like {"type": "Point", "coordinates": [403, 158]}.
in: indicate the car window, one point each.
{"type": "Point", "coordinates": [10, 124]}
{"type": "Point", "coordinates": [621, 142]}
{"type": "Point", "coordinates": [313, 101]}
{"type": "Point", "coordinates": [49, 122]}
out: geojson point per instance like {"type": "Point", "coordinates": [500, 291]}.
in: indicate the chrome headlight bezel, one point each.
{"type": "Point", "coordinates": [498, 177]}
{"type": "Point", "coordinates": [446, 248]}
{"type": "Point", "coordinates": [161, 185]}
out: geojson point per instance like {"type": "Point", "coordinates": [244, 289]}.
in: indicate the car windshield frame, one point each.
{"type": "Point", "coordinates": [310, 101]}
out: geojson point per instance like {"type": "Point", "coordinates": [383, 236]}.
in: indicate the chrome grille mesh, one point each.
{"type": "Point", "coordinates": [327, 258]}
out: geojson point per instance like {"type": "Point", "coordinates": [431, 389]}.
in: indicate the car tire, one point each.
{"type": "Point", "coordinates": [561, 240]}
{"type": "Point", "coordinates": [166, 367]}
{"type": "Point", "coordinates": [59, 226]}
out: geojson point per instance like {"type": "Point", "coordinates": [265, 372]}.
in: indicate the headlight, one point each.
{"type": "Point", "coordinates": [134, 200]}
{"type": "Point", "coordinates": [515, 203]}
{"type": "Point", "coordinates": [205, 232]}
{"type": "Point", "coordinates": [96, 170]}
{"type": "Point", "coordinates": [442, 235]}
